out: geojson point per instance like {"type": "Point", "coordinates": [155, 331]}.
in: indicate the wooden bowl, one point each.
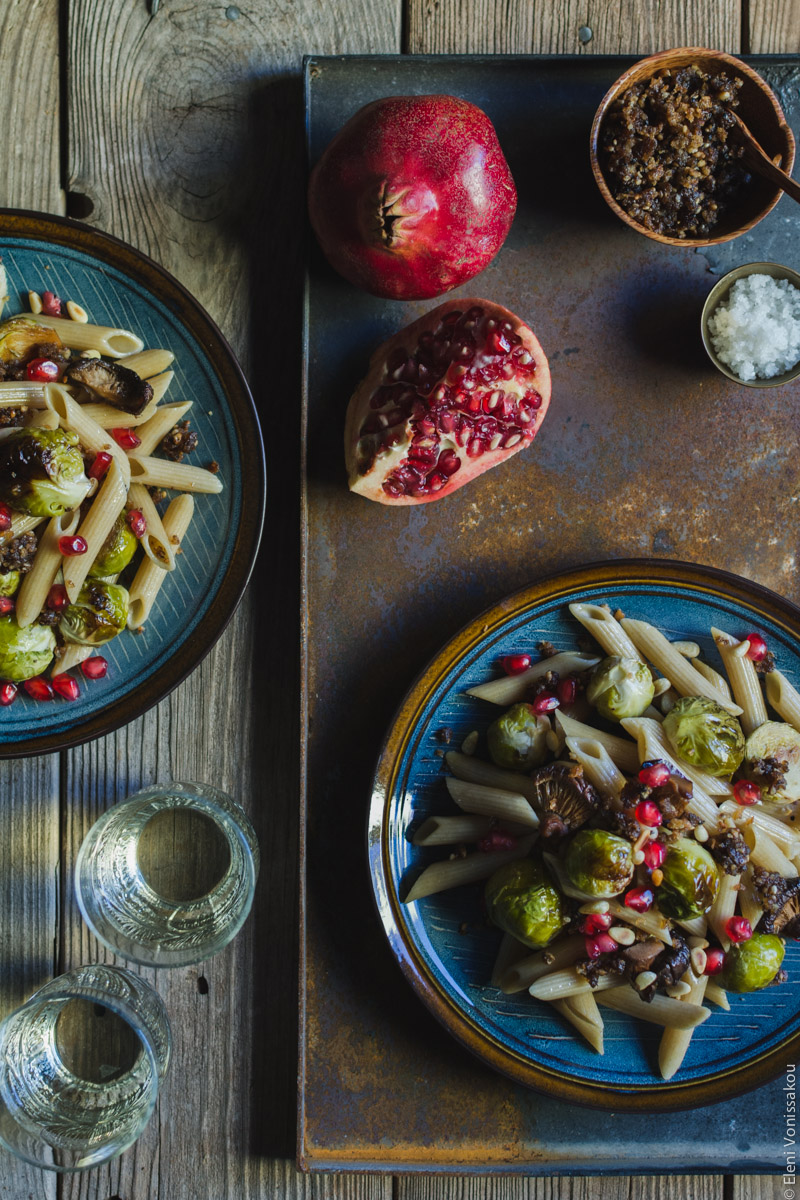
{"type": "Point", "coordinates": [758, 108]}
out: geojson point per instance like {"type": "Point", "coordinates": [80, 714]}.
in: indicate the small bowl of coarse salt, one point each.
{"type": "Point", "coordinates": [751, 325]}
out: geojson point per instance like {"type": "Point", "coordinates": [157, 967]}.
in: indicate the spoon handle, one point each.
{"type": "Point", "coordinates": [759, 161]}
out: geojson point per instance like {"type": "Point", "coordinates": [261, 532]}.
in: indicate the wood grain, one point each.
{"type": "Point", "coordinates": [679, 1187]}
{"type": "Point", "coordinates": [773, 26]}
{"type": "Point", "coordinates": [29, 105]}
{"type": "Point", "coordinates": [760, 1187]}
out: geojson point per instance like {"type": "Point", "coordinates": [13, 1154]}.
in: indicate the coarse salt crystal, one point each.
{"type": "Point", "coordinates": [756, 330]}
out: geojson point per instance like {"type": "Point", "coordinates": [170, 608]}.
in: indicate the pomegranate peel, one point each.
{"type": "Point", "coordinates": [459, 391]}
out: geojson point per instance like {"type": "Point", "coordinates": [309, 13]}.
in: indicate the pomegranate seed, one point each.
{"type": "Point", "coordinates": [126, 438]}
{"type": "Point", "coordinates": [102, 462]}
{"type": "Point", "coordinates": [639, 899]}
{"type": "Point", "coordinates": [738, 929]}
{"type": "Point", "coordinates": [648, 813]}
{"type": "Point", "coordinates": [57, 597]}
{"type": "Point", "coordinates": [137, 523]}
{"type": "Point", "coordinates": [8, 692]}
{"type": "Point", "coordinates": [758, 647]}
{"type": "Point", "coordinates": [71, 546]}
{"type": "Point", "coordinates": [515, 664]}
{"type": "Point", "coordinates": [497, 840]}
{"type": "Point", "coordinates": [654, 854]}
{"type": "Point", "coordinates": [715, 961]}
{"type": "Point", "coordinates": [51, 304]}
{"type": "Point", "coordinates": [66, 686]}
{"type": "Point", "coordinates": [601, 943]}
{"type": "Point", "coordinates": [42, 370]}
{"type": "Point", "coordinates": [38, 688]}
{"type": "Point", "coordinates": [95, 667]}
{"type": "Point", "coordinates": [7, 605]}
{"type": "Point", "coordinates": [745, 792]}
{"type": "Point", "coordinates": [595, 923]}
{"type": "Point", "coordinates": [545, 702]}
{"type": "Point", "coordinates": [567, 690]}
{"type": "Point", "coordinates": [5, 518]}
{"type": "Point", "coordinates": [654, 774]}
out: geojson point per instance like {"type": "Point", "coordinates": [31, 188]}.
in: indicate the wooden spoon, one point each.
{"type": "Point", "coordinates": [759, 161]}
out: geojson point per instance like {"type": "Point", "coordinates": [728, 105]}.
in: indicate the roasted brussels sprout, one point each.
{"type": "Point", "coordinates": [9, 582]}
{"type": "Point", "coordinates": [98, 615]}
{"type": "Point", "coordinates": [20, 336]}
{"type": "Point", "coordinates": [599, 863]}
{"type": "Point", "coordinates": [690, 880]}
{"type": "Point", "coordinates": [24, 652]}
{"type": "Point", "coordinates": [116, 552]}
{"type": "Point", "coordinates": [41, 472]}
{"type": "Point", "coordinates": [112, 382]}
{"type": "Point", "coordinates": [772, 760]}
{"type": "Point", "coordinates": [752, 964]}
{"type": "Point", "coordinates": [518, 739]}
{"type": "Point", "coordinates": [703, 733]}
{"type": "Point", "coordinates": [523, 901]}
{"type": "Point", "coordinates": [620, 688]}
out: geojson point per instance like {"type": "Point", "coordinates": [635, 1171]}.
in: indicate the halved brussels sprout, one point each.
{"type": "Point", "coordinates": [19, 337]}
{"type": "Point", "coordinates": [620, 688]}
{"type": "Point", "coordinates": [116, 552]}
{"type": "Point", "coordinates": [752, 964]}
{"type": "Point", "coordinates": [523, 901]}
{"type": "Point", "coordinates": [770, 746]}
{"type": "Point", "coordinates": [690, 883]}
{"type": "Point", "coordinates": [41, 472]}
{"type": "Point", "coordinates": [9, 582]}
{"type": "Point", "coordinates": [703, 733]}
{"type": "Point", "coordinates": [599, 863]}
{"type": "Point", "coordinates": [98, 615]}
{"type": "Point", "coordinates": [518, 739]}
{"type": "Point", "coordinates": [24, 652]}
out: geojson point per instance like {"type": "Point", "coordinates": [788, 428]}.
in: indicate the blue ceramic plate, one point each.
{"type": "Point", "coordinates": [443, 943]}
{"type": "Point", "coordinates": [119, 286]}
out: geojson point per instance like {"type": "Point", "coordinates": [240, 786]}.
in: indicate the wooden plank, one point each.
{"type": "Point", "coordinates": [774, 26]}
{"type": "Point", "coordinates": [762, 1187]}
{"type": "Point", "coordinates": [570, 26]}
{"type": "Point", "coordinates": [676, 1187]}
{"type": "Point", "coordinates": [29, 105]}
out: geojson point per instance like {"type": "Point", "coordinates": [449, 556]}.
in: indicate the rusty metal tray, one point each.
{"type": "Point", "coordinates": [646, 452]}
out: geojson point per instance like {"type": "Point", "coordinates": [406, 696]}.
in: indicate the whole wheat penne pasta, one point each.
{"type": "Point", "coordinates": [160, 383]}
{"type": "Point", "coordinates": [598, 765]}
{"type": "Point", "coordinates": [651, 922]}
{"type": "Point", "coordinates": [784, 698]}
{"type": "Point", "coordinates": [160, 472]}
{"type": "Point", "coordinates": [717, 995]}
{"type": "Point", "coordinates": [148, 362]}
{"type": "Point", "coordinates": [509, 951]}
{"type": "Point", "coordinates": [743, 679]}
{"type": "Point", "coordinates": [113, 343]}
{"type": "Point", "coordinates": [653, 745]}
{"type": "Point", "coordinates": [510, 688]}
{"type": "Point", "coordinates": [651, 643]}
{"type": "Point", "coordinates": [675, 1042]}
{"type": "Point", "coordinates": [92, 437]}
{"type": "Point", "coordinates": [687, 649]}
{"type": "Point", "coordinates": [567, 982]}
{"type": "Point", "coordinates": [766, 854]}
{"type": "Point", "coordinates": [582, 1012]}
{"type": "Point", "coordinates": [109, 417]}
{"type": "Point", "coordinates": [454, 872]}
{"type": "Point", "coordinates": [714, 678]}
{"type": "Point", "coordinates": [474, 770]}
{"type": "Point", "coordinates": [41, 418]}
{"type": "Point", "coordinates": [749, 904]}
{"type": "Point", "coordinates": [605, 629]}
{"type": "Point", "coordinates": [451, 831]}
{"type": "Point", "coordinates": [17, 392]}
{"type": "Point", "coordinates": [73, 656]}
{"type": "Point", "coordinates": [155, 543]}
{"type": "Point", "coordinates": [46, 565]}
{"type": "Point", "coordinates": [95, 528]}
{"type": "Point", "coordinates": [724, 906]}
{"type": "Point", "coordinates": [159, 424]}
{"type": "Point", "coordinates": [20, 523]}
{"type": "Point", "coordinates": [563, 953]}
{"type": "Point", "coordinates": [661, 1010]}
{"type": "Point", "coordinates": [696, 926]}
{"type": "Point", "coordinates": [782, 835]}
{"type": "Point", "coordinates": [148, 579]}
{"type": "Point", "coordinates": [622, 751]}
{"type": "Point", "coordinates": [3, 288]}
{"type": "Point", "coordinates": [492, 802]}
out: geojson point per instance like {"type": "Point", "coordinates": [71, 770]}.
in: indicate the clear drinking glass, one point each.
{"type": "Point", "coordinates": [80, 1067]}
{"type": "Point", "coordinates": [143, 887]}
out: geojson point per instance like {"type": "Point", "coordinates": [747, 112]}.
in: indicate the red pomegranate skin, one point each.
{"type": "Point", "coordinates": [457, 392]}
{"type": "Point", "coordinates": [413, 196]}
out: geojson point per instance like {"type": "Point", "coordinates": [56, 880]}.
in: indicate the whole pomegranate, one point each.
{"type": "Point", "coordinates": [460, 390]}
{"type": "Point", "coordinates": [413, 196]}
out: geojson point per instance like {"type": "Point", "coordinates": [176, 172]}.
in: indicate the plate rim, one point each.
{"type": "Point", "coordinates": [146, 272]}
{"type": "Point", "coordinates": [667, 1096]}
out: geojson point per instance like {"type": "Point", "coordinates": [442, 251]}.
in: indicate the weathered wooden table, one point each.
{"type": "Point", "coordinates": [178, 126]}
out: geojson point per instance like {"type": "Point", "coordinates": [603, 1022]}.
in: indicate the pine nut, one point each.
{"type": "Point", "coordinates": [623, 935]}
{"type": "Point", "coordinates": [679, 989]}
{"type": "Point", "coordinates": [638, 857]}
{"type": "Point", "coordinates": [657, 877]}
{"type": "Point", "coordinates": [699, 959]}
{"type": "Point", "coordinates": [35, 302]}
{"type": "Point", "coordinates": [594, 906]}
{"type": "Point", "coordinates": [697, 943]}
{"type": "Point", "coordinates": [644, 979]}
{"type": "Point", "coordinates": [76, 313]}
{"type": "Point", "coordinates": [701, 833]}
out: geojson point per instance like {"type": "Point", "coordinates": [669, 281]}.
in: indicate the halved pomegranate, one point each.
{"type": "Point", "coordinates": [459, 391]}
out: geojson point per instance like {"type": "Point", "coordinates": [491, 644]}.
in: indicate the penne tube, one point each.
{"type": "Point", "coordinates": [605, 629]}
{"type": "Point", "coordinates": [651, 922]}
{"type": "Point", "coordinates": [474, 770]}
{"type": "Point", "coordinates": [687, 649]}
{"type": "Point", "coordinates": [113, 343]}
{"type": "Point", "coordinates": [160, 383]}
{"type": "Point", "coordinates": [661, 1010]}
{"type": "Point", "coordinates": [653, 745]}
{"type": "Point", "coordinates": [492, 802]}
{"type": "Point", "coordinates": [696, 926]}
{"type": "Point", "coordinates": [36, 584]}
{"type": "Point", "coordinates": [766, 854]}
{"type": "Point", "coordinates": [3, 288]}
{"type": "Point", "coordinates": [109, 417]}
{"type": "Point", "coordinates": [784, 698]}
{"type": "Point", "coordinates": [155, 543]}
{"type": "Point", "coordinates": [563, 953]}
{"type": "Point", "coordinates": [724, 907]}
{"type": "Point", "coordinates": [14, 392]}
{"type": "Point", "coordinates": [91, 435]}
{"type": "Point", "coordinates": [622, 751]}
{"type": "Point", "coordinates": [651, 643]}
{"type": "Point", "coordinates": [568, 982]}
{"type": "Point", "coordinates": [717, 995]}
{"type": "Point", "coordinates": [582, 1012]}
{"type": "Point", "coordinates": [148, 579]}
{"type": "Point", "coordinates": [20, 523]}
{"type": "Point", "coordinates": [454, 872]}
{"type": "Point", "coordinates": [451, 831]}
{"type": "Point", "coordinates": [95, 528]}
{"type": "Point", "coordinates": [598, 766]}
{"type": "Point", "coordinates": [73, 656]}
{"type": "Point", "coordinates": [160, 472]}
{"type": "Point", "coordinates": [158, 426]}
{"type": "Point", "coordinates": [750, 906]}
{"type": "Point", "coordinates": [509, 951]}
{"type": "Point", "coordinates": [675, 1042]}
{"type": "Point", "coordinates": [148, 362]}
{"type": "Point", "coordinates": [510, 688]}
{"type": "Point", "coordinates": [782, 835]}
{"type": "Point", "coordinates": [744, 680]}
{"type": "Point", "coordinates": [714, 678]}
{"type": "Point", "coordinates": [41, 418]}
